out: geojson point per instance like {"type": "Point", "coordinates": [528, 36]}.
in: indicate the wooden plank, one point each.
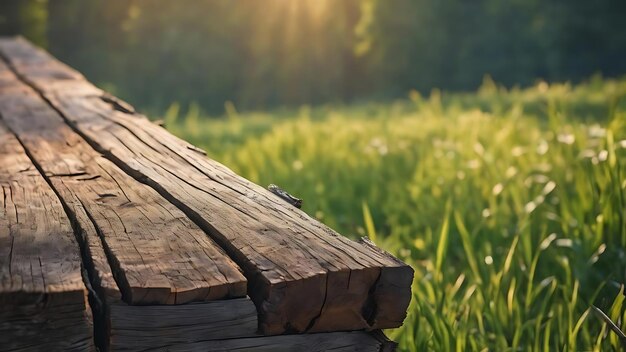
{"type": "Point", "coordinates": [303, 276]}
{"type": "Point", "coordinates": [176, 327]}
{"type": "Point", "coordinates": [157, 254]}
{"type": "Point", "coordinates": [354, 341]}
{"type": "Point", "coordinates": [139, 328]}
{"type": "Point", "coordinates": [43, 300]}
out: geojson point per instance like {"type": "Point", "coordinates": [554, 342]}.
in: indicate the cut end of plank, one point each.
{"type": "Point", "coordinates": [363, 299]}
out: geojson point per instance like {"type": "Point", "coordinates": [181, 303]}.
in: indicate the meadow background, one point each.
{"type": "Point", "coordinates": [482, 142]}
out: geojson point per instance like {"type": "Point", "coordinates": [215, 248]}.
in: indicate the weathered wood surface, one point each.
{"type": "Point", "coordinates": [355, 341]}
{"type": "Point", "coordinates": [142, 243]}
{"type": "Point", "coordinates": [302, 275]}
{"type": "Point", "coordinates": [157, 254]}
{"type": "Point", "coordinates": [159, 327]}
{"type": "Point", "coordinates": [43, 300]}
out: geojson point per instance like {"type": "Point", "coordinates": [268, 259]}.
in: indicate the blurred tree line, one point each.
{"type": "Point", "coordinates": [261, 54]}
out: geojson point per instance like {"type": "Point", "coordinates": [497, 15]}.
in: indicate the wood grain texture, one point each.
{"type": "Point", "coordinates": [43, 301]}
{"type": "Point", "coordinates": [354, 341]}
{"type": "Point", "coordinates": [135, 328]}
{"type": "Point", "coordinates": [302, 275]}
{"type": "Point", "coordinates": [157, 254]}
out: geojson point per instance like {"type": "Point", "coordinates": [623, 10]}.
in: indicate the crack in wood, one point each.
{"type": "Point", "coordinates": [68, 174]}
{"type": "Point", "coordinates": [84, 255]}
{"type": "Point", "coordinates": [17, 214]}
{"type": "Point", "coordinates": [11, 254]}
{"type": "Point", "coordinates": [117, 103]}
{"type": "Point", "coordinates": [118, 273]}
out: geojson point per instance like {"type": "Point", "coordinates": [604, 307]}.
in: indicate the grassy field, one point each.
{"type": "Point", "coordinates": [509, 204]}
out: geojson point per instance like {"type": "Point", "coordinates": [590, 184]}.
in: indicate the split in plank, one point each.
{"type": "Point", "coordinates": [43, 300]}
{"type": "Point", "coordinates": [154, 253]}
{"type": "Point", "coordinates": [302, 275]}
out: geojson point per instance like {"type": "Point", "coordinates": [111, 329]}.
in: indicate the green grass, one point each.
{"type": "Point", "coordinates": [509, 204]}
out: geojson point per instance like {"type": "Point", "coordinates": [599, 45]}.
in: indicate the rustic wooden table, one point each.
{"type": "Point", "coordinates": [115, 234]}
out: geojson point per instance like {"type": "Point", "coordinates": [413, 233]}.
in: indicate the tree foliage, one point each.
{"type": "Point", "coordinates": [260, 54]}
